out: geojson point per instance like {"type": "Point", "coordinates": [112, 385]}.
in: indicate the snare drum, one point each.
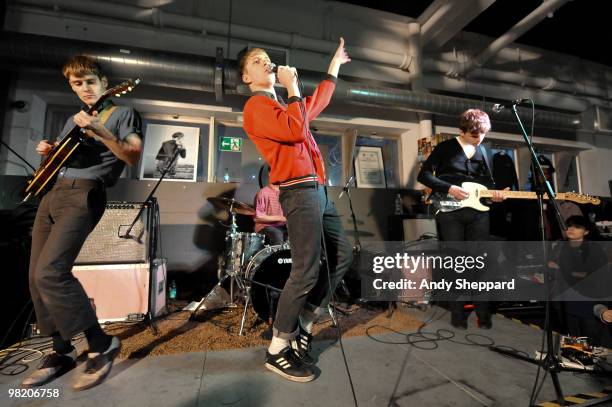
{"type": "Point", "coordinates": [240, 247]}
{"type": "Point", "coordinates": [267, 273]}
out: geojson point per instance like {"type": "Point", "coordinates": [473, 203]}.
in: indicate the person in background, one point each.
{"type": "Point", "coordinates": [269, 218]}
{"type": "Point", "coordinates": [451, 163]}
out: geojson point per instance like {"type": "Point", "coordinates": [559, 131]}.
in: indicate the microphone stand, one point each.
{"type": "Point", "coordinates": [17, 155]}
{"type": "Point", "coordinates": [550, 362]}
{"type": "Point", "coordinates": [149, 198]}
{"type": "Point", "coordinates": [150, 201]}
{"type": "Point", "coordinates": [347, 189]}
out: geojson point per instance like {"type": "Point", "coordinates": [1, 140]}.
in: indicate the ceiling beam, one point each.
{"type": "Point", "coordinates": [444, 19]}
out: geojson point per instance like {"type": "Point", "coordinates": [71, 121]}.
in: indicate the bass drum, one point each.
{"type": "Point", "coordinates": [267, 273]}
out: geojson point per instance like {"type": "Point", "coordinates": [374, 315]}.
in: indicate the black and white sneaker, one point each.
{"type": "Point", "coordinates": [287, 364]}
{"type": "Point", "coordinates": [302, 344]}
{"type": "Point", "coordinates": [52, 365]}
{"type": "Point", "coordinates": [98, 366]}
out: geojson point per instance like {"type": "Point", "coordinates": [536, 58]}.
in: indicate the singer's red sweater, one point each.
{"type": "Point", "coordinates": [283, 138]}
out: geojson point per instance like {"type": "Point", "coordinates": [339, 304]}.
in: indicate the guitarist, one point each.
{"type": "Point", "coordinates": [66, 215]}
{"type": "Point", "coordinates": [451, 163]}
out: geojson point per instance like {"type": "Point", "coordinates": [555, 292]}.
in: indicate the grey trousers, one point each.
{"type": "Point", "coordinates": [309, 211]}
{"type": "Point", "coordinates": [65, 217]}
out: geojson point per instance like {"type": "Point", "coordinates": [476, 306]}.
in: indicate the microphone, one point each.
{"type": "Point", "coordinates": [598, 310]}
{"type": "Point", "coordinates": [498, 107]}
{"type": "Point", "coordinates": [346, 186]}
{"type": "Point", "coordinates": [274, 68]}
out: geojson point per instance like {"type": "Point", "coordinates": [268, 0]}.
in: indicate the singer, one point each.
{"type": "Point", "coordinates": [66, 215]}
{"type": "Point", "coordinates": [451, 163]}
{"type": "Point", "coordinates": [281, 134]}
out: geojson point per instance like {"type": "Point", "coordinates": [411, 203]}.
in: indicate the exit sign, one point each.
{"type": "Point", "coordinates": [233, 144]}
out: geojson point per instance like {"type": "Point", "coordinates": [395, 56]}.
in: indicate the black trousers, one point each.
{"type": "Point", "coordinates": [275, 235]}
{"type": "Point", "coordinates": [465, 224]}
{"type": "Point", "coordinates": [65, 217]}
{"type": "Point", "coordinates": [309, 289]}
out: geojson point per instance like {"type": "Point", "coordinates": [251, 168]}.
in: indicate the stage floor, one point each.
{"type": "Point", "coordinates": [452, 374]}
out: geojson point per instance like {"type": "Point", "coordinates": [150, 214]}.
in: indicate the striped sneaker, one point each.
{"type": "Point", "coordinates": [287, 364]}
{"type": "Point", "coordinates": [302, 346]}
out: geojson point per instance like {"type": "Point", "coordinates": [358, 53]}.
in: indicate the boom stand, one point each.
{"type": "Point", "coordinates": [550, 362]}
{"type": "Point", "coordinates": [151, 202]}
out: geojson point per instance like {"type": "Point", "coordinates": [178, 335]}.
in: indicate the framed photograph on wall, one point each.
{"type": "Point", "coordinates": [161, 142]}
{"type": "Point", "coordinates": [370, 167]}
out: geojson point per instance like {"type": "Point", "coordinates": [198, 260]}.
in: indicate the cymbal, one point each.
{"type": "Point", "coordinates": [236, 206]}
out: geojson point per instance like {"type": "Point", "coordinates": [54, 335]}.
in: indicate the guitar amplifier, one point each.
{"type": "Point", "coordinates": [124, 292]}
{"type": "Point", "coordinates": [416, 227]}
{"type": "Point", "coordinates": [104, 244]}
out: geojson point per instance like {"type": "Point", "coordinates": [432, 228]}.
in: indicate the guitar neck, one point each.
{"type": "Point", "coordinates": [488, 193]}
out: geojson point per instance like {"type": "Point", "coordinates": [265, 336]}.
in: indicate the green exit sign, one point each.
{"type": "Point", "coordinates": [233, 144]}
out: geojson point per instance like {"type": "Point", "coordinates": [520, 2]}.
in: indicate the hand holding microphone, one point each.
{"type": "Point", "coordinates": [287, 76]}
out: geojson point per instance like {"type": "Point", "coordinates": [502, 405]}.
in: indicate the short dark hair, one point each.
{"type": "Point", "coordinates": [81, 65]}
{"type": "Point", "coordinates": [243, 57]}
{"type": "Point", "coordinates": [577, 220]}
{"type": "Point", "coordinates": [178, 134]}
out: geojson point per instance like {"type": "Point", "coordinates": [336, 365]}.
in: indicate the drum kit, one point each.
{"type": "Point", "coordinates": [259, 271]}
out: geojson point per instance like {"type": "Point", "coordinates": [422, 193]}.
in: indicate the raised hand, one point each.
{"type": "Point", "coordinates": [341, 55]}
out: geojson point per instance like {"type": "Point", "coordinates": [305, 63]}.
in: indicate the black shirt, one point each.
{"type": "Point", "coordinates": [448, 165]}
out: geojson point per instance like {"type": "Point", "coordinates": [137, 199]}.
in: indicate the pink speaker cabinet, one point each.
{"type": "Point", "coordinates": [125, 292]}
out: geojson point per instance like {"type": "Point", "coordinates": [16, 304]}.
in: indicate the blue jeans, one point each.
{"type": "Point", "coordinates": [310, 214]}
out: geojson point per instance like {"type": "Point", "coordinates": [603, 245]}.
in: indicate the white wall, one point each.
{"type": "Point", "coordinates": [596, 165]}
{"type": "Point", "coordinates": [22, 131]}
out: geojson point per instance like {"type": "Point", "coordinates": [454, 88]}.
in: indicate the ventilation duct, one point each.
{"type": "Point", "coordinates": [198, 73]}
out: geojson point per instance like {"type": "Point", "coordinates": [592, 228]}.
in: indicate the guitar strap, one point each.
{"type": "Point", "coordinates": [103, 117]}
{"type": "Point", "coordinates": [485, 157]}
{"type": "Point", "coordinates": [106, 114]}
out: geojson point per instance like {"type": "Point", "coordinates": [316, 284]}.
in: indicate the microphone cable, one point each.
{"type": "Point", "coordinates": [332, 298]}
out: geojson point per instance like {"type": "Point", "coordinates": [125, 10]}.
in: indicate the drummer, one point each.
{"type": "Point", "coordinates": [269, 218]}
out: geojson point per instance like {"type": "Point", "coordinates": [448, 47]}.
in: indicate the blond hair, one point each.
{"type": "Point", "coordinates": [81, 65]}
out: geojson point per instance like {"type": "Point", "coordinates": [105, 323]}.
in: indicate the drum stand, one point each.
{"type": "Point", "coordinates": [227, 300]}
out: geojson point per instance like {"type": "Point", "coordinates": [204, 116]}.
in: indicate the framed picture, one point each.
{"type": "Point", "coordinates": [370, 167]}
{"type": "Point", "coordinates": [161, 143]}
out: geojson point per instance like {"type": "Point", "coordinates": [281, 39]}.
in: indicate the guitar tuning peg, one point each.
{"type": "Point", "coordinates": [129, 88]}
{"type": "Point", "coordinates": [123, 92]}
{"type": "Point", "coordinates": [118, 95]}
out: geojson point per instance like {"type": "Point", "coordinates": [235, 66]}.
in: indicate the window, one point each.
{"type": "Point", "coordinates": [569, 183]}
{"type": "Point", "coordinates": [390, 156]}
{"type": "Point", "coordinates": [232, 166]}
{"type": "Point", "coordinates": [331, 150]}
{"type": "Point", "coordinates": [546, 161]}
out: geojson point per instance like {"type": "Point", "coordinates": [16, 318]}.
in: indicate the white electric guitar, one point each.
{"type": "Point", "coordinates": [446, 203]}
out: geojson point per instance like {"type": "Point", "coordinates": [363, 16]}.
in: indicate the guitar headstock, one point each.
{"type": "Point", "coordinates": [581, 199]}
{"type": "Point", "coordinates": [121, 89]}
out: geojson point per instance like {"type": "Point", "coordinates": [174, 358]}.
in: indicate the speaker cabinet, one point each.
{"type": "Point", "coordinates": [104, 245]}
{"type": "Point", "coordinates": [414, 228]}
{"type": "Point", "coordinates": [124, 292]}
